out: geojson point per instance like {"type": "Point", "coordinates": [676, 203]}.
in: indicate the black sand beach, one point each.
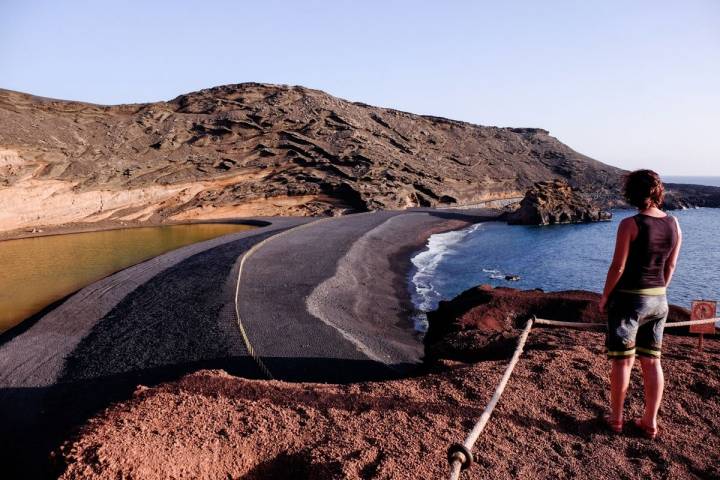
{"type": "Point", "coordinates": [315, 302]}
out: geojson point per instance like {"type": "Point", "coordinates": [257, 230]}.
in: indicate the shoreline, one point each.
{"type": "Point", "coordinates": [340, 294]}
{"type": "Point", "coordinates": [38, 363]}
{"type": "Point", "coordinates": [403, 266]}
{"type": "Point", "coordinates": [101, 226]}
{"type": "Point", "coordinates": [259, 221]}
{"type": "Point", "coordinates": [368, 293]}
{"type": "Point", "coordinates": [171, 326]}
{"type": "Point", "coordinates": [58, 294]}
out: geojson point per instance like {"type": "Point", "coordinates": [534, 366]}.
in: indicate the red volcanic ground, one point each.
{"type": "Point", "coordinates": [212, 425]}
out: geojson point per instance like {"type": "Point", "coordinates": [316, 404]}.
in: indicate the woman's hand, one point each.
{"type": "Point", "coordinates": [602, 306]}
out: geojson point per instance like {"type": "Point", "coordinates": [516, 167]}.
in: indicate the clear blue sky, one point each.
{"type": "Point", "coordinates": [631, 83]}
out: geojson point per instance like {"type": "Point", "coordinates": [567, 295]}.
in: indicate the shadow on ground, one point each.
{"type": "Point", "coordinates": [35, 421]}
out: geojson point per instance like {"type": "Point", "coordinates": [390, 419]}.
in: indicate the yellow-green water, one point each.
{"type": "Point", "coordinates": [35, 272]}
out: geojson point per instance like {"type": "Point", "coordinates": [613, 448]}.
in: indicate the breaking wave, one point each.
{"type": "Point", "coordinates": [424, 291]}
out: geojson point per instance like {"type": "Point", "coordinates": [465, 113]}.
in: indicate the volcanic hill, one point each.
{"type": "Point", "coordinates": [255, 149]}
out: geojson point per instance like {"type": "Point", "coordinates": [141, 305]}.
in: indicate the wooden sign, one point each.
{"type": "Point", "coordinates": [702, 309]}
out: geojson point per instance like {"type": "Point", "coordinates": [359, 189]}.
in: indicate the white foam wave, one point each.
{"type": "Point", "coordinates": [425, 295]}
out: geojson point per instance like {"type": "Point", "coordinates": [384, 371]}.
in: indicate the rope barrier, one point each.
{"type": "Point", "coordinates": [588, 325]}
{"type": "Point", "coordinates": [246, 340]}
{"type": "Point", "coordinates": [558, 323]}
{"type": "Point", "coordinates": [460, 455]}
{"type": "Point", "coordinates": [692, 322]}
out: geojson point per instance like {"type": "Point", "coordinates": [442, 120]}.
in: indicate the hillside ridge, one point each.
{"type": "Point", "coordinates": [255, 149]}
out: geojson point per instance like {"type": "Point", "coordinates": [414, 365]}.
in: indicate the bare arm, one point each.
{"type": "Point", "coordinates": [672, 259]}
{"type": "Point", "coordinates": [627, 231]}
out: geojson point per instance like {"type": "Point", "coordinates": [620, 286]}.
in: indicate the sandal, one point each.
{"type": "Point", "coordinates": [647, 432]}
{"type": "Point", "coordinates": [615, 427]}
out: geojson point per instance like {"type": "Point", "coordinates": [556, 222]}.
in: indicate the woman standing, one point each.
{"type": "Point", "coordinates": [634, 297]}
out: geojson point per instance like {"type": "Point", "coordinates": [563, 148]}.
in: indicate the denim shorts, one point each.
{"type": "Point", "coordinates": [635, 324]}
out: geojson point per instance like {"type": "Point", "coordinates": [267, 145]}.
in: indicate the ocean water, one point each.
{"type": "Point", "coordinates": [558, 257]}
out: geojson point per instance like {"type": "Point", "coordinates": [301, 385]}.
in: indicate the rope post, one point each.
{"type": "Point", "coordinates": [460, 455]}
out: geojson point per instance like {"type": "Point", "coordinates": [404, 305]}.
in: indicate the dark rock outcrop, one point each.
{"type": "Point", "coordinates": [555, 202]}
{"type": "Point", "coordinates": [681, 196]}
{"type": "Point", "coordinates": [482, 322]}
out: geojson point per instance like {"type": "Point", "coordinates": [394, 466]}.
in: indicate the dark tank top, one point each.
{"type": "Point", "coordinates": [645, 266]}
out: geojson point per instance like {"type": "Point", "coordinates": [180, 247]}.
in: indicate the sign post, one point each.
{"type": "Point", "coordinates": [702, 309]}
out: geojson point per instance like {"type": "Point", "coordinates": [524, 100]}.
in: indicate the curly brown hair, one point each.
{"type": "Point", "coordinates": [644, 189]}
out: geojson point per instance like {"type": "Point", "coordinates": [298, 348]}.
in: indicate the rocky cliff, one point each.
{"type": "Point", "coordinates": [682, 195]}
{"type": "Point", "coordinates": [482, 322]}
{"type": "Point", "coordinates": [555, 202]}
{"type": "Point", "coordinates": [254, 149]}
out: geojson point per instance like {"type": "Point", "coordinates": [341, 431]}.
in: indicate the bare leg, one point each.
{"type": "Point", "coordinates": [653, 383]}
{"type": "Point", "coordinates": [619, 382]}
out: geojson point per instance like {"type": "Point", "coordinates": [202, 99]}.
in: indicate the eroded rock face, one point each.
{"type": "Point", "coordinates": [679, 196]}
{"type": "Point", "coordinates": [483, 322]}
{"type": "Point", "coordinates": [257, 149]}
{"type": "Point", "coordinates": [251, 148]}
{"type": "Point", "coordinates": [555, 202]}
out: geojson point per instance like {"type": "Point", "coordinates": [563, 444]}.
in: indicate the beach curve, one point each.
{"type": "Point", "coordinates": [134, 327]}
